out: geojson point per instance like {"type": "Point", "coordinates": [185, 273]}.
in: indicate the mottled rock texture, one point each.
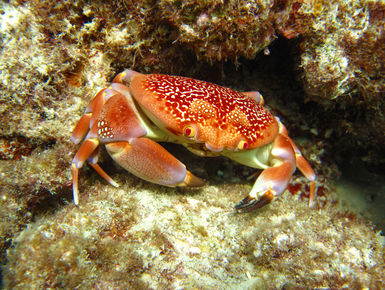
{"type": "Point", "coordinates": [54, 57]}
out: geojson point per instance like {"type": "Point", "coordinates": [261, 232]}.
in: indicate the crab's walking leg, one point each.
{"type": "Point", "coordinates": [256, 96]}
{"type": "Point", "coordinates": [125, 77]}
{"type": "Point", "coordinates": [87, 128]}
{"type": "Point", "coordinates": [85, 152]}
{"type": "Point", "coordinates": [81, 128]}
{"type": "Point", "coordinates": [306, 170]}
{"type": "Point", "coordinates": [92, 160]}
{"type": "Point", "coordinates": [272, 181]}
{"type": "Point", "coordinates": [150, 161]}
{"type": "Point", "coordinates": [301, 164]}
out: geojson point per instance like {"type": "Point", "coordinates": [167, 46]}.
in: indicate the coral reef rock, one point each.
{"type": "Point", "coordinates": [55, 55]}
{"type": "Point", "coordinates": [147, 236]}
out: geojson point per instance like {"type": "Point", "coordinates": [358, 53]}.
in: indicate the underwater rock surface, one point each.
{"type": "Point", "coordinates": [55, 55]}
{"type": "Point", "coordinates": [146, 236]}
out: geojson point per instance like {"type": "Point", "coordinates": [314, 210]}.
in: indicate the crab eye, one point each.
{"type": "Point", "coordinates": [242, 145]}
{"type": "Point", "coordinates": [189, 131]}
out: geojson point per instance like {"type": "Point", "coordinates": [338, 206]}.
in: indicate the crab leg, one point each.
{"type": "Point", "coordinates": [306, 170]}
{"type": "Point", "coordinates": [87, 128]}
{"type": "Point", "coordinates": [302, 164]}
{"type": "Point", "coordinates": [81, 128]}
{"type": "Point", "coordinates": [150, 161]}
{"type": "Point", "coordinates": [256, 96]}
{"type": "Point", "coordinates": [86, 151]}
{"type": "Point", "coordinates": [121, 129]}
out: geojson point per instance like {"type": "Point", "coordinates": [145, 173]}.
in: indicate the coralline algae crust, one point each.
{"type": "Point", "coordinates": [150, 236]}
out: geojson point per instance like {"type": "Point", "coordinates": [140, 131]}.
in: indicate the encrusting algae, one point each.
{"type": "Point", "coordinates": [55, 55]}
{"type": "Point", "coordinates": [113, 240]}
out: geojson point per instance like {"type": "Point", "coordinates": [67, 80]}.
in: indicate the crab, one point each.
{"type": "Point", "coordinates": [137, 110]}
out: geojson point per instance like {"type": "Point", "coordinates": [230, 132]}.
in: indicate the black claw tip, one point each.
{"type": "Point", "coordinates": [249, 204]}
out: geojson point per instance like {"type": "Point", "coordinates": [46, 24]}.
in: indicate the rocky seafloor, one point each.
{"type": "Point", "coordinates": [142, 236]}
{"type": "Point", "coordinates": [324, 77]}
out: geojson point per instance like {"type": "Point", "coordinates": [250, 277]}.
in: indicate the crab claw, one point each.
{"type": "Point", "coordinates": [249, 204]}
{"type": "Point", "coordinates": [273, 181]}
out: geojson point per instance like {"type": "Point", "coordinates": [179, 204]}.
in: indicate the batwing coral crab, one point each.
{"type": "Point", "coordinates": [136, 111]}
